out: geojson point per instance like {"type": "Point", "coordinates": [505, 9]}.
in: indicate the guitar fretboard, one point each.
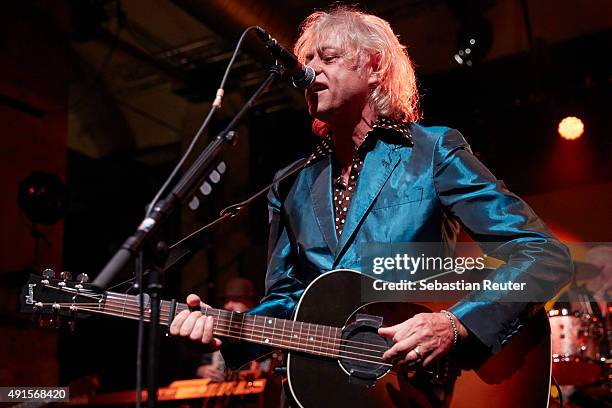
{"type": "Point", "coordinates": [282, 333]}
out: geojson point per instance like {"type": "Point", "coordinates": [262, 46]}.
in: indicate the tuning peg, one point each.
{"type": "Point", "coordinates": [82, 278]}
{"type": "Point", "coordinates": [48, 274]}
{"type": "Point", "coordinates": [65, 276]}
{"type": "Point", "coordinates": [37, 317]}
{"type": "Point", "coordinates": [72, 322]}
{"type": "Point", "coordinates": [54, 321]}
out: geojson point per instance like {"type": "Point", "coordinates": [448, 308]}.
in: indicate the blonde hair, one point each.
{"type": "Point", "coordinates": [366, 37]}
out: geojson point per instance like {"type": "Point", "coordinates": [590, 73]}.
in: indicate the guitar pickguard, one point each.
{"type": "Point", "coordinates": [363, 331]}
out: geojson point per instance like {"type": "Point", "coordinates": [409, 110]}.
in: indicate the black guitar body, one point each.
{"type": "Point", "coordinates": [517, 376]}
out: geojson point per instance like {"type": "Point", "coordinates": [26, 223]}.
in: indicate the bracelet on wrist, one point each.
{"type": "Point", "coordinates": [451, 318]}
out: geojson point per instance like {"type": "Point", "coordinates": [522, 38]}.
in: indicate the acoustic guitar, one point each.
{"type": "Point", "coordinates": [334, 350]}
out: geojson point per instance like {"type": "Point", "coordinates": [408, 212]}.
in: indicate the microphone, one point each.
{"type": "Point", "coordinates": [302, 76]}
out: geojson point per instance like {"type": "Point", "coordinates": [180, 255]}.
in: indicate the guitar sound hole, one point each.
{"type": "Point", "coordinates": [361, 352]}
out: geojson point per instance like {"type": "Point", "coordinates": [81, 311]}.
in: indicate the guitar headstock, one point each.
{"type": "Point", "coordinates": [46, 295]}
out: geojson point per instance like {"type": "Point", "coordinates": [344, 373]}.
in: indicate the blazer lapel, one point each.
{"type": "Point", "coordinates": [321, 197]}
{"type": "Point", "coordinates": [377, 167]}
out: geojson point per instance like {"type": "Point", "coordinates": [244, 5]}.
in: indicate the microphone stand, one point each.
{"type": "Point", "coordinates": [135, 243]}
{"type": "Point", "coordinates": [182, 250]}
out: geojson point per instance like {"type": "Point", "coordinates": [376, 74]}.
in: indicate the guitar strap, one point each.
{"type": "Point", "coordinates": [234, 209]}
{"type": "Point", "coordinates": [194, 241]}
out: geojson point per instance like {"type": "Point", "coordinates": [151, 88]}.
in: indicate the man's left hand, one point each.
{"type": "Point", "coordinates": [422, 338]}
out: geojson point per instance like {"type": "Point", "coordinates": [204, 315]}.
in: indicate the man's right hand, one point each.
{"type": "Point", "coordinates": [194, 325]}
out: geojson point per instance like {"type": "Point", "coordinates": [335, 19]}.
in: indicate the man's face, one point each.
{"type": "Point", "coordinates": [341, 88]}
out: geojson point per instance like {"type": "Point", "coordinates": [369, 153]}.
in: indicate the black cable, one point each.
{"type": "Point", "coordinates": [215, 106]}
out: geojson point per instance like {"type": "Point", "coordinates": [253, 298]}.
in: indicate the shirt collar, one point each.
{"type": "Point", "coordinates": [399, 128]}
{"type": "Point", "coordinates": [403, 128]}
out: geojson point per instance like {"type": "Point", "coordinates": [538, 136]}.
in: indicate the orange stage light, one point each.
{"type": "Point", "coordinates": [571, 128]}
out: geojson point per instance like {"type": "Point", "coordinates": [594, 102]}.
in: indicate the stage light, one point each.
{"type": "Point", "coordinates": [42, 198]}
{"type": "Point", "coordinates": [474, 42]}
{"type": "Point", "coordinates": [571, 128]}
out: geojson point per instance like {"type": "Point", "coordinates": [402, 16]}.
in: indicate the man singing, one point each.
{"type": "Point", "coordinates": [379, 177]}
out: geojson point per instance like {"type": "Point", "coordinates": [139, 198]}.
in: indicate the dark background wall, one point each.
{"type": "Point", "coordinates": [34, 123]}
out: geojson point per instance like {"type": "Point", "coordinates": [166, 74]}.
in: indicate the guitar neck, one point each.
{"type": "Point", "coordinates": [279, 333]}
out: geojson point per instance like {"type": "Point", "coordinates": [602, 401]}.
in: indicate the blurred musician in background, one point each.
{"type": "Point", "coordinates": [238, 296]}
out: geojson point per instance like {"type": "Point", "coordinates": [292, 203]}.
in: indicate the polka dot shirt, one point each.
{"type": "Point", "coordinates": [343, 190]}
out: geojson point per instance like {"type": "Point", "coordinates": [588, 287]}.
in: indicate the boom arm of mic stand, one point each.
{"type": "Point", "coordinates": [185, 186]}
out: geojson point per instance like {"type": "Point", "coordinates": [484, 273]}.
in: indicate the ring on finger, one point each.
{"type": "Point", "coordinates": [418, 353]}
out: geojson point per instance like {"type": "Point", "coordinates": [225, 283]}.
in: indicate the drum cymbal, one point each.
{"type": "Point", "coordinates": [586, 270]}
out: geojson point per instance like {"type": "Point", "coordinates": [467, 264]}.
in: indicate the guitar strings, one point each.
{"type": "Point", "coordinates": [283, 331]}
{"type": "Point", "coordinates": [230, 333]}
{"type": "Point", "coordinates": [318, 337]}
{"type": "Point", "coordinates": [123, 300]}
{"type": "Point", "coordinates": [223, 329]}
{"type": "Point", "coordinates": [165, 314]}
{"type": "Point", "coordinates": [127, 302]}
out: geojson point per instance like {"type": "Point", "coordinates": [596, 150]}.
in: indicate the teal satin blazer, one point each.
{"type": "Point", "coordinates": [418, 192]}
